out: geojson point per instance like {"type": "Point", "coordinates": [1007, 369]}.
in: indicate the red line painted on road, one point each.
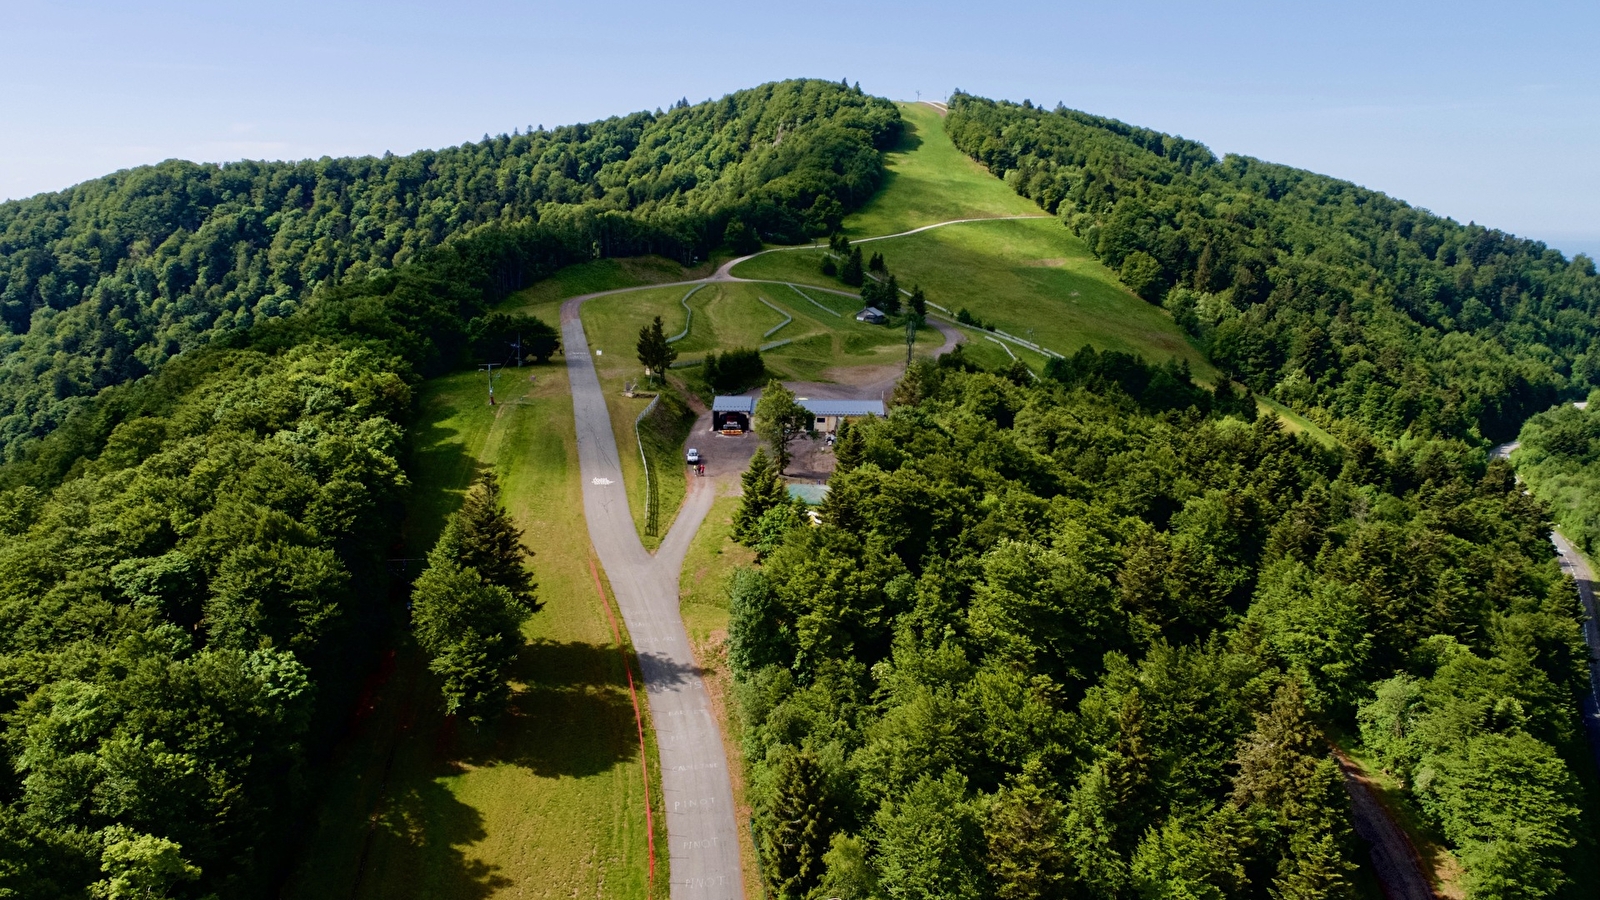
{"type": "Point", "coordinates": [644, 765]}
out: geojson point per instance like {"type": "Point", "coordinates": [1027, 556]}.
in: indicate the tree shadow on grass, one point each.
{"type": "Point", "coordinates": [435, 448]}
{"type": "Point", "coordinates": [909, 138]}
{"type": "Point", "coordinates": [571, 715]}
{"type": "Point", "coordinates": [419, 835]}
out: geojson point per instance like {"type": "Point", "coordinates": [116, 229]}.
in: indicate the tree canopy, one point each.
{"type": "Point", "coordinates": [105, 281]}
{"type": "Point", "coordinates": [1052, 639]}
{"type": "Point", "coordinates": [1337, 300]}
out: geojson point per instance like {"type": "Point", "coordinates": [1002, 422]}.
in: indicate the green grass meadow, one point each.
{"type": "Point", "coordinates": [1031, 278]}
{"type": "Point", "coordinates": [548, 801]}
{"type": "Point", "coordinates": [930, 181]}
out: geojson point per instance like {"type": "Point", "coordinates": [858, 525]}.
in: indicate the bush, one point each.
{"type": "Point", "coordinates": [735, 371]}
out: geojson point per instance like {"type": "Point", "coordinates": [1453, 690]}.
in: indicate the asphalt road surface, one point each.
{"type": "Point", "coordinates": [702, 828]}
{"type": "Point", "coordinates": [702, 825]}
{"type": "Point", "coordinates": [1575, 566]}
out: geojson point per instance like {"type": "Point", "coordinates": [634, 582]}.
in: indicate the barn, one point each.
{"type": "Point", "coordinates": [732, 413]}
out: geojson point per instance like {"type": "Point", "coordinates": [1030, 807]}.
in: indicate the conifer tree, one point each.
{"type": "Point", "coordinates": [655, 354]}
{"type": "Point", "coordinates": [876, 264]}
{"type": "Point", "coordinates": [762, 491]}
{"type": "Point", "coordinates": [468, 606]}
{"type": "Point", "coordinates": [1027, 851]}
{"type": "Point", "coordinates": [1278, 760]}
{"type": "Point", "coordinates": [889, 296]}
{"type": "Point", "coordinates": [799, 827]}
{"type": "Point", "coordinates": [852, 274]}
{"type": "Point", "coordinates": [492, 544]}
{"type": "Point", "coordinates": [849, 447]}
{"type": "Point", "coordinates": [919, 301]}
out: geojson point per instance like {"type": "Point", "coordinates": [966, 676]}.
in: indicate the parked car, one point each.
{"type": "Point", "coordinates": [694, 457]}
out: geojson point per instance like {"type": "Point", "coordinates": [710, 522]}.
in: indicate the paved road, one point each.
{"type": "Point", "coordinates": [702, 828]}
{"type": "Point", "coordinates": [725, 271]}
{"type": "Point", "coordinates": [1576, 567]}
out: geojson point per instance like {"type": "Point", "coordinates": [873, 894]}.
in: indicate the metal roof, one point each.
{"type": "Point", "coordinates": [844, 407]}
{"type": "Point", "coordinates": [733, 404]}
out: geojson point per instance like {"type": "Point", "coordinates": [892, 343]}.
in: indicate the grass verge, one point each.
{"type": "Point", "coordinates": [549, 800]}
{"type": "Point", "coordinates": [662, 432]}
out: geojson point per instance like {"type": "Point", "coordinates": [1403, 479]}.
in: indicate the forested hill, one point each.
{"type": "Point", "coordinates": [101, 283]}
{"type": "Point", "coordinates": [1338, 300]}
{"type": "Point", "coordinates": [192, 577]}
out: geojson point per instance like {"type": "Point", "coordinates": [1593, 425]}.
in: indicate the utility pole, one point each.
{"type": "Point", "coordinates": [489, 367]}
{"type": "Point", "coordinates": [518, 345]}
{"type": "Point", "coordinates": [912, 323]}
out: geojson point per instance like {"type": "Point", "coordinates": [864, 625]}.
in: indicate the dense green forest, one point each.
{"type": "Point", "coordinates": [101, 283]}
{"type": "Point", "coordinates": [1051, 642]}
{"type": "Point", "coordinates": [1342, 302]}
{"type": "Point", "coordinates": [1087, 633]}
{"type": "Point", "coordinates": [192, 562]}
{"type": "Point", "coordinates": [1560, 460]}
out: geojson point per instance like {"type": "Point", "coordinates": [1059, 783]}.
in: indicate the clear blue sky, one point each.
{"type": "Point", "coordinates": [1480, 111]}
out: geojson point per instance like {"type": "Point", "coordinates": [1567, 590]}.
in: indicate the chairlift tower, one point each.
{"type": "Point", "coordinates": [489, 368]}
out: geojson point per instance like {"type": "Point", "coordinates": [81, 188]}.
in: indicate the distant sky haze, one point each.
{"type": "Point", "coordinates": [1487, 112]}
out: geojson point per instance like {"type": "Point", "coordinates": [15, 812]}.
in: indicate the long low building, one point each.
{"type": "Point", "coordinates": [826, 414]}
{"type": "Point", "coordinates": [733, 413]}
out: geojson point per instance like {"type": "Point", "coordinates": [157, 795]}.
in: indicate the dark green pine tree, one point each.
{"type": "Point", "coordinates": [876, 264]}
{"type": "Point", "coordinates": [762, 491]}
{"type": "Point", "coordinates": [889, 296]}
{"type": "Point", "coordinates": [852, 274]}
{"type": "Point", "coordinates": [800, 824]}
{"type": "Point", "coordinates": [492, 544]}
{"type": "Point", "coordinates": [1128, 767]}
{"type": "Point", "coordinates": [849, 447]}
{"type": "Point", "coordinates": [655, 353]}
{"type": "Point", "coordinates": [1318, 870]}
{"type": "Point", "coordinates": [1028, 854]}
{"type": "Point", "coordinates": [1278, 761]}
{"type": "Point", "coordinates": [919, 301]}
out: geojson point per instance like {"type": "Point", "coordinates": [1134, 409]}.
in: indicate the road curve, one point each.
{"type": "Point", "coordinates": [697, 794]}
{"type": "Point", "coordinates": [725, 271]}
{"type": "Point", "coordinates": [1576, 567]}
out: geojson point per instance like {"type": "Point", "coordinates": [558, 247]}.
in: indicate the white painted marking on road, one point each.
{"type": "Point", "coordinates": [601, 481]}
